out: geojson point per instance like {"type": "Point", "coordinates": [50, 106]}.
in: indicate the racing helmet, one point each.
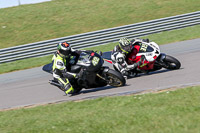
{"type": "Point", "coordinates": [125, 45]}
{"type": "Point", "coordinates": [64, 48]}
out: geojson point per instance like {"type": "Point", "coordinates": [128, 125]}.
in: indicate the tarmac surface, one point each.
{"type": "Point", "coordinates": [30, 87]}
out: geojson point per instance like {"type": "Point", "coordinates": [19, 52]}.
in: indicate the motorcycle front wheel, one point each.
{"type": "Point", "coordinates": [171, 63]}
{"type": "Point", "coordinates": [115, 78]}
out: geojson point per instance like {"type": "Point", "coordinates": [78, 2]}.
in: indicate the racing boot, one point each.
{"type": "Point", "coordinates": [68, 89]}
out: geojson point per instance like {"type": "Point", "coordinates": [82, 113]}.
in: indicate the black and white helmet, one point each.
{"type": "Point", "coordinates": [64, 48]}
{"type": "Point", "coordinates": [125, 45]}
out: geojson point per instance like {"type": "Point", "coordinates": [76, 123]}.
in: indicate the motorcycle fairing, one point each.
{"type": "Point", "coordinates": [152, 51]}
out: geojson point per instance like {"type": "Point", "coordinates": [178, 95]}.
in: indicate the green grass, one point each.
{"type": "Point", "coordinates": [24, 64]}
{"type": "Point", "coordinates": [37, 22]}
{"type": "Point", "coordinates": [161, 38]}
{"type": "Point", "coordinates": [167, 112]}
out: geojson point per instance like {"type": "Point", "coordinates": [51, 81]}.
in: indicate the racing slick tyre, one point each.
{"type": "Point", "coordinates": [172, 63]}
{"type": "Point", "coordinates": [115, 78]}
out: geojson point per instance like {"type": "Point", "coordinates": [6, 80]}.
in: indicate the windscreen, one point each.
{"type": "Point", "coordinates": [84, 58]}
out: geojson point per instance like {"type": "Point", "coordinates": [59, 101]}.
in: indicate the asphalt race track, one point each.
{"type": "Point", "coordinates": [31, 87]}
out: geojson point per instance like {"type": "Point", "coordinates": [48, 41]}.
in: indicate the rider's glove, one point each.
{"type": "Point", "coordinates": [133, 66]}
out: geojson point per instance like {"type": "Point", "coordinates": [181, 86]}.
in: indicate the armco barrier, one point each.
{"type": "Point", "coordinates": [100, 37]}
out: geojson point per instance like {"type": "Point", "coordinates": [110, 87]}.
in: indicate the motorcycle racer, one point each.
{"type": "Point", "coordinates": [119, 55]}
{"type": "Point", "coordinates": [145, 53]}
{"type": "Point", "coordinates": [138, 46]}
{"type": "Point", "coordinates": [62, 61]}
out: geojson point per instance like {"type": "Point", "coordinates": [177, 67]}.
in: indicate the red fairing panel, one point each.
{"type": "Point", "coordinates": [133, 58]}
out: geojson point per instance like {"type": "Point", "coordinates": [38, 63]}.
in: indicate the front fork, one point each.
{"type": "Point", "coordinates": [162, 57]}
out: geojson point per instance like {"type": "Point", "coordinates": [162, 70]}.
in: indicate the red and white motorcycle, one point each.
{"type": "Point", "coordinates": [153, 59]}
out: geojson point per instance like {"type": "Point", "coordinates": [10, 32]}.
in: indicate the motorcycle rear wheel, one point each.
{"type": "Point", "coordinates": [115, 78]}
{"type": "Point", "coordinates": [172, 63]}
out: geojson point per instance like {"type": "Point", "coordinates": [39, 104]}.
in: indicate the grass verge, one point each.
{"type": "Point", "coordinates": [161, 38]}
{"type": "Point", "coordinates": [37, 22]}
{"type": "Point", "coordinates": [172, 111]}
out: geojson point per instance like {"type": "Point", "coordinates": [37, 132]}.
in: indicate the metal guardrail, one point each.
{"type": "Point", "coordinates": [100, 37]}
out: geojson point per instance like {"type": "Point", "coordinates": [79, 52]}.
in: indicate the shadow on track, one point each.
{"type": "Point", "coordinates": [85, 91]}
{"type": "Point", "coordinates": [96, 89]}
{"type": "Point", "coordinates": [154, 72]}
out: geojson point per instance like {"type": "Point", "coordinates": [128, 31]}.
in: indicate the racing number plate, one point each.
{"type": "Point", "coordinates": [95, 61]}
{"type": "Point", "coordinates": [144, 47]}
